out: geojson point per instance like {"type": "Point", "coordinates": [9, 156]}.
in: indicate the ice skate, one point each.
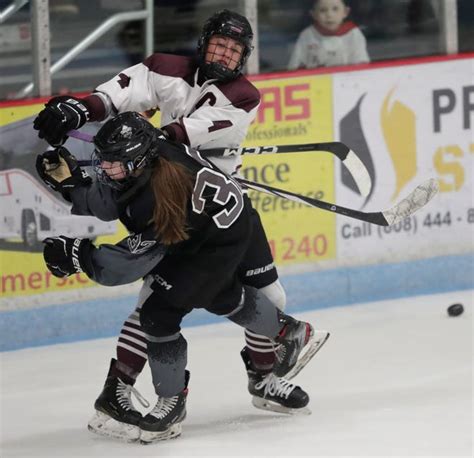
{"type": "Point", "coordinates": [163, 422]}
{"type": "Point", "coordinates": [297, 344]}
{"type": "Point", "coordinates": [273, 393]}
{"type": "Point", "coordinates": [115, 414]}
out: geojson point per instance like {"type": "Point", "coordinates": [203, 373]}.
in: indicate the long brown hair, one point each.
{"type": "Point", "coordinates": [172, 186]}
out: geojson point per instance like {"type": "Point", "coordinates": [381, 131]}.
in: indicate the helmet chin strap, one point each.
{"type": "Point", "coordinates": [214, 70]}
{"type": "Point", "coordinates": [134, 186]}
{"type": "Point", "coordinates": [130, 166]}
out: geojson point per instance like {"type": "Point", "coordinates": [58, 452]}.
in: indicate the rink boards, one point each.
{"type": "Point", "coordinates": [407, 121]}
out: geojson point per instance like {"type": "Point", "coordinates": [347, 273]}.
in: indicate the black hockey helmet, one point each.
{"type": "Point", "coordinates": [228, 24]}
{"type": "Point", "coordinates": [127, 138]}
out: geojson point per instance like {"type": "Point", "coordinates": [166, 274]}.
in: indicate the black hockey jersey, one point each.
{"type": "Point", "coordinates": [218, 220]}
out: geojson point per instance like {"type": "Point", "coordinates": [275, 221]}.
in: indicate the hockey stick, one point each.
{"type": "Point", "coordinates": [417, 199]}
{"type": "Point", "coordinates": [84, 136]}
{"type": "Point", "coordinates": [352, 162]}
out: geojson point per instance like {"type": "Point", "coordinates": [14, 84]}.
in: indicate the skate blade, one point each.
{"type": "Point", "coordinates": [316, 341]}
{"type": "Point", "coordinates": [104, 425]}
{"type": "Point", "coordinates": [265, 404]}
{"type": "Point", "coordinates": [149, 437]}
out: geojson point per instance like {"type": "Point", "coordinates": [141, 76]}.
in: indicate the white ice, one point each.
{"type": "Point", "coordinates": [394, 379]}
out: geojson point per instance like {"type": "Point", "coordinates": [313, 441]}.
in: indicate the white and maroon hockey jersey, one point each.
{"type": "Point", "coordinates": [199, 113]}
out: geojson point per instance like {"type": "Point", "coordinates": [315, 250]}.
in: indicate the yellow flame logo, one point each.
{"type": "Point", "coordinates": [399, 131]}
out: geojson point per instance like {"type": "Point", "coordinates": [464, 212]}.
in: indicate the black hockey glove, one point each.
{"type": "Point", "coordinates": [65, 256]}
{"type": "Point", "coordinates": [60, 171]}
{"type": "Point", "coordinates": [60, 115]}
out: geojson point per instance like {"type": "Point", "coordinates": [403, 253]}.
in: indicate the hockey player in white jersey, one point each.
{"type": "Point", "coordinates": [205, 102]}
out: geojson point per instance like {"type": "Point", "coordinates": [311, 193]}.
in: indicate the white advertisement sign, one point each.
{"type": "Point", "coordinates": [408, 124]}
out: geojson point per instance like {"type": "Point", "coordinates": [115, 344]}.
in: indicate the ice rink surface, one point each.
{"type": "Point", "coordinates": [394, 379]}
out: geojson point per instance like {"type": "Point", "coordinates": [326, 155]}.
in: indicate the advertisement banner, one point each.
{"type": "Point", "coordinates": [293, 111]}
{"type": "Point", "coordinates": [30, 212]}
{"type": "Point", "coordinates": [408, 124]}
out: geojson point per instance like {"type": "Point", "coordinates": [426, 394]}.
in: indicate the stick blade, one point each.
{"type": "Point", "coordinates": [417, 199]}
{"type": "Point", "coordinates": [359, 173]}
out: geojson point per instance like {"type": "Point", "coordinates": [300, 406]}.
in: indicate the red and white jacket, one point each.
{"type": "Point", "coordinates": [319, 47]}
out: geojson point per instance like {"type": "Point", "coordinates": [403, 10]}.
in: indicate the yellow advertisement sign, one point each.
{"type": "Point", "coordinates": [31, 212]}
{"type": "Point", "coordinates": [294, 111]}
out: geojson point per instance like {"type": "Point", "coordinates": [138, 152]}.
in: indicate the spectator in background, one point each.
{"type": "Point", "coordinates": [330, 40]}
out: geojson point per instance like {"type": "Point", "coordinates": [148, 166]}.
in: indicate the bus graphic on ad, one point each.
{"type": "Point", "coordinates": [29, 212]}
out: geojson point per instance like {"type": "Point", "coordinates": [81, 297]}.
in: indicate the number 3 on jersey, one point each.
{"type": "Point", "coordinates": [226, 189]}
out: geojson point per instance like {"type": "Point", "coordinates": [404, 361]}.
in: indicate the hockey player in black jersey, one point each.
{"type": "Point", "coordinates": [204, 101]}
{"type": "Point", "coordinates": [190, 228]}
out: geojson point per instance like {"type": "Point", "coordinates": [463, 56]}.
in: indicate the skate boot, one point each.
{"type": "Point", "coordinates": [273, 393]}
{"type": "Point", "coordinates": [164, 420]}
{"type": "Point", "coordinates": [297, 343]}
{"type": "Point", "coordinates": [115, 414]}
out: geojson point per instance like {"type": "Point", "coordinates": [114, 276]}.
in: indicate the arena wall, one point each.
{"type": "Point", "coordinates": [408, 121]}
